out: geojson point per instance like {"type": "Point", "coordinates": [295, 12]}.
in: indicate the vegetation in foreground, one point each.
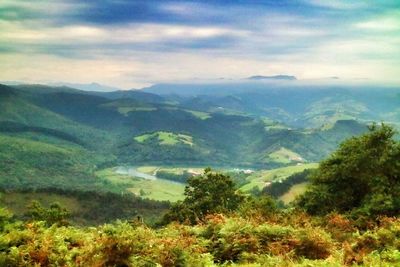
{"type": "Point", "coordinates": [217, 226]}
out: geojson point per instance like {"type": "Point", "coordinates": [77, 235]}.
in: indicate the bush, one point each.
{"type": "Point", "coordinates": [361, 176]}
{"type": "Point", "coordinates": [263, 207]}
{"type": "Point", "coordinates": [205, 194]}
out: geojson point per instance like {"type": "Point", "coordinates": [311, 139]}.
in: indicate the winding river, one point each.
{"type": "Point", "coordinates": [133, 172]}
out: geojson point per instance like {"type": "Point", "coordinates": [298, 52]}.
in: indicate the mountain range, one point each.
{"type": "Point", "coordinates": [244, 124]}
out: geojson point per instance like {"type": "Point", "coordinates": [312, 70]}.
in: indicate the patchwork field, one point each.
{"type": "Point", "coordinates": [158, 189]}
{"type": "Point", "coordinates": [172, 190]}
{"type": "Point", "coordinates": [261, 178]}
{"type": "Point", "coordinates": [166, 138]}
{"type": "Point", "coordinates": [284, 155]}
{"type": "Point", "coordinates": [294, 191]}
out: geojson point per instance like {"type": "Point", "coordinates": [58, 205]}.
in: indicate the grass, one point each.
{"type": "Point", "coordinates": [294, 191]}
{"type": "Point", "coordinates": [126, 110]}
{"type": "Point", "coordinates": [199, 114]}
{"type": "Point", "coordinates": [170, 169]}
{"type": "Point", "coordinates": [152, 189]}
{"type": "Point", "coordinates": [18, 202]}
{"type": "Point", "coordinates": [167, 190]}
{"type": "Point", "coordinates": [85, 208]}
{"type": "Point", "coordinates": [181, 170]}
{"type": "Point", "coordinates": [159, 190]}
{"type": "Point", "coordinates": [148, 169]}
{"type": "Point", "coordinates": [166, 138]}
{"type": "Point", "coordinates": [119, 180]}
{"type": "Point", "coordinates": [259, 179]}
{"type": "Point", "coordinates": [284, 155]}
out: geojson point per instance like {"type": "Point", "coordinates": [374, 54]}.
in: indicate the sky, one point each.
{"type": "Point", "coordinates": [131, 44]}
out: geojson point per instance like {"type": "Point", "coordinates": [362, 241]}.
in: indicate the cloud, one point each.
{"type": "Point", "coordinates": [138, 42]}
{"type": "Point", "coordinates": [338, 4]}
{"type": "Point", "coordinates": [384, 23]}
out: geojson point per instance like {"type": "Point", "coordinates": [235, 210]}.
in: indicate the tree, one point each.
{"type": "Point", "coordinates": [362, 176]}
{"type": "Point", "coordinates": [205, 194]}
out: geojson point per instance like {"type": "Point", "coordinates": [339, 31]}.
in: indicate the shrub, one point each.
{"type": "Point", "coordinates": [361, 176]}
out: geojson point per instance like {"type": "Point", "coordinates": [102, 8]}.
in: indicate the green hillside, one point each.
{"type": "Point", "coordinates": [86, 207]}
{"type": "Point", "coordinates": [62, 137]}
{"type": "Point", "coordinates": [263, 178]}
{"type": "Point", "coordinates": [166, 138]}
{"type": "Point", "coordinates": [19, 109]}
{"type": "Point", "coordinates": [34, 164]}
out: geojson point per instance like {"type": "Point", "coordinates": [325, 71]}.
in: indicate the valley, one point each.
{"type": "Point", "coordinates": [148, 143]}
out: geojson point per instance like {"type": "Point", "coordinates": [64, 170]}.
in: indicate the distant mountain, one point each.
{"type": "Point", "coordinates": [276, 77]}
{"type": "Point", "coordinates": [95, 87]}
{"type": "Point", "coordinates": [134, 94]}
{"type": "Point", "coordinates": [265, 126]}
{"type": "Point", "coordinates": [218, 88]}
{"type": "Point", "coordinates": [294, 104]}
{"type": "Point", "coordinates": [10, 82]}
{"type": "Point", "coordinates": [230, 129]}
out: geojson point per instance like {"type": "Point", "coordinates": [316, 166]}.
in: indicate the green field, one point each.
{"type": "Point", "coordinates": [126, 110]}
{"type": "Point", "coordinates": [259, 179]}
{"type": "Point", "coordinates": [166, 138]}
{"type": "Point", "coordinates": [158, 190]}
{"type": "Point", "coordinates": [284, 155]}
{"type": "Point", "coordinates": [148, 169]}
{"type": "Point", "coordinates": [162, 189]}
{"type": "Point", "coordinates": [175, 170]}
{"type": "Point", "coordinates": [294, 191]}
{"type": "Point", "coordinates": [199, 114]}
{"type": "Point", "coordinates": [151, 189]}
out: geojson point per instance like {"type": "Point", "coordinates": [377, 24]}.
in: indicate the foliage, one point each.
{"type": "Point", "coordinates": [263, 206]}
{"type": "Point", "coordinates": [85, 207]}
{"type": "Point", "coordinates": [37, 164]}
{"type": "Point", "coordinates": [362, 176]}
{"type": "Point", "coordinates": [5, 217]}
{"type": "Point", "coordinates": [55, 214]}
{"type": "Point", "coordinates": [290, 239]}
{"type": "Point", "coordinates": [205, 194]}
{"type": "Point", "coordinates": [181, 178]}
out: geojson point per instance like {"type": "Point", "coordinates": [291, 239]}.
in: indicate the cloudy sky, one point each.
{"type": "Point", "coordinates": [130, 44]}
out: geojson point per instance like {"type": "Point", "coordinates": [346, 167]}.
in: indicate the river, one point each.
{"type": "Point", "coordinates": [133, 172]}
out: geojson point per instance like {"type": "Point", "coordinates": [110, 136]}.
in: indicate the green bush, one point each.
{"type": "Point", "coordinates": [361, 177]}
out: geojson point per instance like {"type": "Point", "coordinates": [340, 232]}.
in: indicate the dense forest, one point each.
{"type": "Point", "coordinates": [347, 216]}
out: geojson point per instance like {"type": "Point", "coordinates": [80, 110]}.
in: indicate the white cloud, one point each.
{"type": "Point", "coordinates": [270, 43]}
{"type": "Point", "coordinates": [338, 4]}
{"type": "Point", "coordinates": [44, 7]}
{"type": "Point", "coordinates": [142, 33]}
{"type": "Point", "coordinates": [390, 22]}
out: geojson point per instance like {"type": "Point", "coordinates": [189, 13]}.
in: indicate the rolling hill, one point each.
{"type": "Point", "coordinates": [293, 103]}
{"type": "Point", "coordinates": [88, 131]}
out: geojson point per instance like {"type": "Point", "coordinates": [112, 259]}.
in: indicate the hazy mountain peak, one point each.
{"type": "Point", "coordinates": [274, 77]}
{"type": "Point", "coordinates": [94, 86]}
